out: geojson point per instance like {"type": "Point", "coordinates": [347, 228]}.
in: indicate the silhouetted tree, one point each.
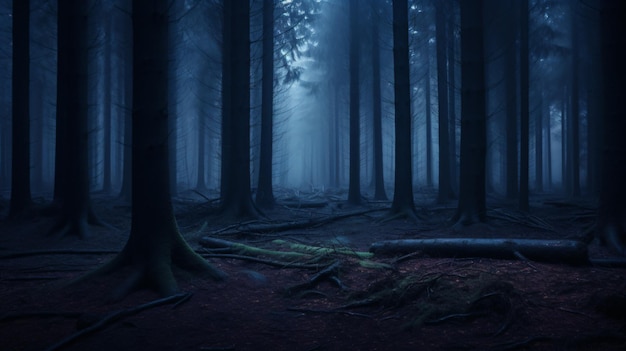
{"type": "Point", "coordinates": [612, 211]}
{"type": "Point", "coordinates": [155, 246]}
{"type": "Point", "coordinates": [20, 165]}
{"type": "Point", "coordinates": [236, 192]}
{"type": "Point", "coordinates": [379, 181]}
{"type": "Point", "coordinates": [524, 107]}
{"type": "Point", "coordinates": [511, 106]}
{"type": "Point", "coordinates": [442, 92]}
{"type": "Point", "coordinates": [72, 113]}
{"type": "Point", "coordinates": [575, 108]}
{"type": "Point", "coordinates": [265, 192]}
{"type": "Point", "coordinates": [472, 206]}
{"type": "Point", "coordinates": [354, 187]}
{"type": "Point", "coordinates": [403, 188]}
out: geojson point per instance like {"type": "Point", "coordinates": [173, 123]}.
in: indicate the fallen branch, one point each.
{"type": "Point", "coordinates": [568, 251]}
{"type": "Point", "coordinates": [317, 250]}
{"type": "Point", "coordinates": [57, 252]}
{"type": "Point", "coordinates": [327, 272]}
{"type": "Point", "coordinates": [114, 317]}
{"type": "Point", "coordinates": [247, 250]}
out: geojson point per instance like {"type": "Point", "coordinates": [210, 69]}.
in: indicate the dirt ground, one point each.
{"type": "Point", "coordinates": [413, 302]}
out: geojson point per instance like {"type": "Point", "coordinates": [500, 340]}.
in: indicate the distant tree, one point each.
{"type": "Point", "coordinates": [379, 181]}
{"type": "Point", "coordinates": [575, 104]}
{"type": "Point", "coordinates": [108, 116]}
{"type": "Point", "coordinates": [236, 193]}
{"type": "Point", "coordinates": [20, 165]}
{"type": "Point", "coordinates": [511, 107]}
{"type": "Point", "coordinates": [611, 228]}
{"type": "Point", "coordinates": [472, 207]}
{"type": "Point", "coordinates": [354, 187]}
{"type": "Point", "coordinates": [155, 246]}
{"type": "Point", "coordinates": [403, 189]}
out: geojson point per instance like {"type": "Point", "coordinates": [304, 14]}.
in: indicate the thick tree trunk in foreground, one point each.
{"type": "Point", "coordinates": [155, 245]}
{"type": "Point", "coordinates": [265, 191]}
{"type": "Point", "coordinates": [354, 187]}
{"type": "Point", "coordinates": [20, 165]}
{"type": "Point", "coordinates": [403, 181]}
{"type": "Point", "coordinates": [612, 212]}
{"type": "Point", "coordinates": [472, 206]}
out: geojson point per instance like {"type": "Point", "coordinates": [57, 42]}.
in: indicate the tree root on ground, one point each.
{"type": "Point", "coordinates": [279, 264]}
{"type": "Point", "coordinates": [327, 273]}
{"type": "Point", "coordinates": [57, 252]}
{"type": "Point", "coordinates": [252, 228]}
{"type": "Point", "coordinates": [116, 316]}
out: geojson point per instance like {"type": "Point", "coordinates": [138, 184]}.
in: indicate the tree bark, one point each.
{"type": "Point", "coordinates": [354, 187]}
{"type": "Point", "coordinates": [155, 246]}
{"type": "Point", "coordinates": [575, 109]}
{"type": "Point", "coordinates": [611, 228]}
{"type": "Point", "coordinates": [20, 160]}
{"type": "Point", "coordinates": [379, 181]}
{"type": "Point", "coordinates": [403, 180]}
{"type": "Point", "coordinates": [471, 207]}
{"type": "Point", "coordinates": [444, 193]}
{"type": "Point", "coordinates": [524, 107]}
{"type": "Point", "coordinates": [265, 191]}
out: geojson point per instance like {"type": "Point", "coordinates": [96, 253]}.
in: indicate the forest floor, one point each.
{"type": "Point", "coordinates": [411, 302]}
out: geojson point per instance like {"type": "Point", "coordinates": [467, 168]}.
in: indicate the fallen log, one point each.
{"type": "Point", "coordinates": [566, 251]}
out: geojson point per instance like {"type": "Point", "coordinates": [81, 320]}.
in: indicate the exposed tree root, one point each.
{"type": "Point", "coordinates": [116, 316]}
{"type": "Point", "coordinates": [251, 227]}
{"type": "Point", "coordinates": [347, 313]}
{"type": "Point", "coordinates": [279, 264]}
{"type": "Point", "coordinates": [326, 273]}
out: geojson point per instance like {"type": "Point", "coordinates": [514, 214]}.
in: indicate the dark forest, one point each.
{"type": "Point", "coordinates": [312, 174]}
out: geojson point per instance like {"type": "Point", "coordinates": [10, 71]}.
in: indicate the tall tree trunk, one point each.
{"type": "Point", "coordinates": [612, 210]}
{"type": "Point", "coordinates": [155, 245]}
{"type": "Point", "coordinates": [547, 123]}
{"type": "Point", "coordinates": [265, 192]}
{"type": "Point", "coordinates": [575, 111]}
{"type": "Point", "coordinates": [524, 107]}
{"type": "Point", "coordinates": [511, 112]}
{"type": "Point", "coordinates": [379, 181]}
{"type": "Point", "coordinates": [454, 179]}
{"type": "Point", "coordinates": [108, 116]}
{"type": "Point", "coordinates": [354, 187]}
{"type": "Point", "coordinates": [237, 195]}
{"type": "Point", "coordinates": [442, 93]}
{"type": "Point", "coordinates": [20, 165]}
{"type": "Point", "coordinates": [539, 146]}
{"type": "Point", "coordinates": [201, 182]}
{"type": "Point", "coordinates": [472, 206]}
{"type": "Point", "coordinates": [73, 95]}
{"type": "Point", "coordinates": [428, 117]}
{"type": "Point", "coordinates": [403, 185]}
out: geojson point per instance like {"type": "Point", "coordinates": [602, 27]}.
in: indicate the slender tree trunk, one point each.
{"type": "Point", "coordinates": [454, 179]}
{"type": "Point", "coordinates": [511, 117]}
{"type": "Point", "coordinates": [108, 116]}
{"type": "Point", "coordinates": [201, 182]}
{"type": "Point", "coordinates": [265, 192]}
{"type": "Point", "coordinates": [547, 123]}
{"type": "Point", "coordinates": [442, 91]}
{"type": "Point", "coordinates": [428, 117]}
{"type": "Point", "coordinates": [472, 207]}
{"type": "Point", "coordinates": [524, 108]}
{"type": "Point", "coordinates": [575, 109]}
{"type": "Point", "coordinates": [354, 188]}
{"type": "Point", "coordinates": [379, 182]}
{"type": "Point", "coordinates": [20, 165]}
{"type": "Point", "coordinates": [403, 181]}
{"type": "Point", "coordinates": [539, 147]}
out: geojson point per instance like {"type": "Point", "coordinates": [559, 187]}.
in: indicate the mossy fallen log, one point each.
{"type": "Point", "coordinates": [565, 251]}
{"type": "Point", "coordinates": [319, 250]}
{"type": "Point", "coordinates": [242, 249]}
